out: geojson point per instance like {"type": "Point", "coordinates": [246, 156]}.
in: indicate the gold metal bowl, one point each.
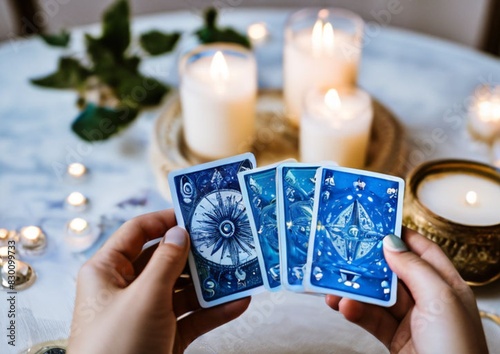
{"type": "Point", "coordinates": [474, 250]}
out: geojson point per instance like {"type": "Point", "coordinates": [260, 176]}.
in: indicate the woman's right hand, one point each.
{"type": "Point", "coordinates": [436, 311]}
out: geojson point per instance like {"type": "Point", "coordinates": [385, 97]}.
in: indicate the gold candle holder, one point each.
{"type": "Point", "coordinates": [17, 275]}
{"type": "Point", "coordinates": [32, 239]}
{"type": "Point", "coordinates": [473, 249]}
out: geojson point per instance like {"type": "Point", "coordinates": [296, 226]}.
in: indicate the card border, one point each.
{"type": "Point", "coordinates": [397, 228]}
{"type": "Point", "coordinates": [244, 191]}
{"type": "Point", "coordinates": [282, 224]}
{"type": "Point", "coordinates": [181, 222]}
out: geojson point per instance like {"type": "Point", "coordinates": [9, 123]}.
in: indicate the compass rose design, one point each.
{"type": "Point", "coordinates": [352, 233]}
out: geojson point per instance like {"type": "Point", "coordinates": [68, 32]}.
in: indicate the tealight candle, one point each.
{"type": "Point", "coordinates": [257, 32]}
{"type": "Point", "coordinates": [4, 236]}
{"type": "Point", "coordinates": [4, 254]}
{"type": "Point", "coordinates": [80, 236]}
{"type": "Point", "coordinates": [462, 198]}
{"type": "Point", "coordinates": [456, 204]}
{"type": "Point", "coordinates": [336, 127]}
{"type": "Point", "coordinates": [32, 239]}
{"type": "Point", "coordinates": [218, 91]}
{"type": "Point", "coordinates": [484, 114]}
{"type": "Point", "coordinates": [77, 200]}
{"type": "Point", "coordinates": [23, 273]}
{"type": "Point", "coordinates": [77, 169]}
{"type": "Point", "coordinates": [78, 226]}
{"type": "Point", "coordinates": [322, 50]}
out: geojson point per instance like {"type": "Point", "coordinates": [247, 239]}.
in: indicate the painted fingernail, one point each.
{"type": "Point", "coordinates": [395, 244]}
{"type": "Point", "coordinates": [176, 236]}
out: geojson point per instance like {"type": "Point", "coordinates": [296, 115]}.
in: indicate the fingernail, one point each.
{"type": "Point", "coordinates": [395, 244]}
{"type": "Point", "coordinates": [176, 236]}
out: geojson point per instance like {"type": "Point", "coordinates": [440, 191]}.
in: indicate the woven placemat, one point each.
{"type": "Point", "coordinates": [275, 140]}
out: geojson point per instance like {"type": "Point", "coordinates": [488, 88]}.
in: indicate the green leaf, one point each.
{"type": "Point", "coordinates": [156, 42]}
{"type": "Point", "coordinates": [98, 53]}
{"type": "Point", "coordinates": [70, 74]}
{"type": "Point", "coordinates": [141, 90]}
{"type": "Point", "coordinates": [210, 33]}
{"type": "Point", "coordinates": [97, 123]}
{"type": "Point", "coordinates": [210, 17]}
{"type": "Point", "coordinates": [57, 40]}
{"type": "Point", "coordinates": [116, 29]}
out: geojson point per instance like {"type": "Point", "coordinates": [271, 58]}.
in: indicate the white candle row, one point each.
{"type": "Point", "coordinates": [218, 90]}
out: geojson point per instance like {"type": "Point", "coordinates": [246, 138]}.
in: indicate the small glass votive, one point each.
{"type": "Point", "coordinates": [484, 114]}
{"type": "Point", "coordinates": [17, 275]}
{"type": "Point", "coordinates": [218, 92]}
{"type": "Point", "coordinates": [76, 170]}
{"type": "Point", "coordinates": [4, 254]}
{"type": "Point", "coordinates": [455, 204]}
{"type": "Point", "coordinates": [77, 201]}
{"type": "Point", "coordinates": [80, 234]}
{"type": "Point", "coordinates": [6, 235]}
{"type": "Point", "coordinates": [322, 50]}
{"type": "Point", "coordinates": [258, 32]}
{"type": "Point", "coordinates": [32, 240]}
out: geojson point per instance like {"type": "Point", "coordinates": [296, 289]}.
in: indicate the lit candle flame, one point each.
{"type": "Point", "coordinates": [76, 169]}
{"type": "Point", "coordinates": [323, 39]}
{"type": "Point", "coordinates": [332, 100]}
{"type": "Point", "coordinates": [218, 68]}
{"type": "Point", "coordinates": [489, 111]}
{"type": "Point", "coordinates": [257, 31]}
{"type": "Point", "coordinates": [78, 225]}
{"type": "Point", "coordinates": [31, 233]}
{"type": "Point", "coordinates": [471, 198]}
{"type": "Point", "coordinates": [76, 199]}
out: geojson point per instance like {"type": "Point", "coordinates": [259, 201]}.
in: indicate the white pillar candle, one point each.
{"type": "Point", "coordinates": [336, 127]}
{"type": "Point", "coordinates": [484, 114]}
{"type": "Point", "coordinates": [218, 92]}
{"type": "Point", "coordinates": [322, 50]}
{"type": "Point", "coordinates": [464, 198]}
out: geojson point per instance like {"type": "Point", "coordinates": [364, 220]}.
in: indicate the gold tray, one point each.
{"type": "Point", "coordinates": [276, 139]}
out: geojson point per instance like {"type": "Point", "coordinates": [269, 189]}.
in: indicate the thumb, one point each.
{"type": "Point", "coordinates": [168, 261]}
{"type": "Point", "coordinates": [419, 276]}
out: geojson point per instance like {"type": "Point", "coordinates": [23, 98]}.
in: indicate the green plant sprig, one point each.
{"type": "Point", "coordinates": [114, 72]}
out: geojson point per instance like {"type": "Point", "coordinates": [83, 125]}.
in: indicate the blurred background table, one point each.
{"type": "Point", "coordinates": [425, 81]}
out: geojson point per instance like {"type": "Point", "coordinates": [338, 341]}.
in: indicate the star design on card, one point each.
{"type": "Point", "coordinates": [352, 233]}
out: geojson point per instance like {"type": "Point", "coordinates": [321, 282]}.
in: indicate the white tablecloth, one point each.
{"type": "Point", "coordinates": [423, 80]}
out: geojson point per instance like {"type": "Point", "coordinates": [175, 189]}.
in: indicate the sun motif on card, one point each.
{"type": "Point", "coordinates": [220, 230]}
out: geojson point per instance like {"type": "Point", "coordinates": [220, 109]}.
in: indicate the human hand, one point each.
{"type": "Point", "coordinates": [435, 312]}
{"type": "Point", "coordinates": [118, 310]}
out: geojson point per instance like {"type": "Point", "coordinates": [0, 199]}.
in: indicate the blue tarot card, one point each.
{"type": "Point", "coordinates": [353, 211]}
{"type": "Point", "coordinates": [295, 183]}
{"type": "Point", "coordinates": [258, 187]}
{"type": "Point", "coordinates": [209, 205]}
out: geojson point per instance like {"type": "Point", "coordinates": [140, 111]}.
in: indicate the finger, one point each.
{"type": "Point", "coordinates": [414, 271]}
{"type": "Point", "coordinates": [432, 253]}
{"type": "Point", "coordinates": [132, 235]}
{"type": "Point", "coordinates": [202, 321]}
{"type": "Point", "coordinates": [403, 304]}
{"type": "Point", "coordinates": [333, 301]}
{"type": "Point", "coordinates": [374, 319]}
{"type": "Point", "coordinates": [398, 311]}
{"type": "Point", "coordinates": [185, 301]}
{"type": "Point", "coordinates": [167, 262]}
{"type": "Point", "coordinates": [428, 288]}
